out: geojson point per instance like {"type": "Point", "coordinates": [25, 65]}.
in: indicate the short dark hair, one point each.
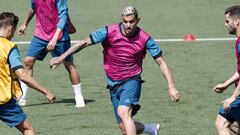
{"type": "Point", "coordinates": [233, 11]}
{"type": "Point", "coordinates": [8, 19]}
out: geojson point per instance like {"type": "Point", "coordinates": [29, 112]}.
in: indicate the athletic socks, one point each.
{"type": "Point", "coordinates": [78, 95]}
{"type": "Point", "coordinates": [22, 101]}
{"type": "Point", "coordinates": [151, 129]}
{"type": "Point", "coordinates": [77, 91]}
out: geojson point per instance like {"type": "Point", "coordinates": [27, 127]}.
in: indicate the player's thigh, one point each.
{"type": "Point", "coordinates": [11, 113]}
{"type": "Point", "coordinates": [25, 125]}
{"type": "Point", "coordinates": [115, 103]}
{"type": "Point", "coordinates": [29, 62]}
{"type": "Point", "coordinates": [222, 122]}
{"type": "Point", "coordinates": [60, 48]}
{"type": "Point", "coordinates": [232, 114]}
{"type": "Point", "coordinates": [130, 93]}
{"type": "Point", "coordinates": [37, 49]}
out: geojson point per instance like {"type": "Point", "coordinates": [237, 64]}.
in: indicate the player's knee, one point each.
{"type": "Point", "coordinates": [30, 131]}
{"type": "Point", "coordinates": [221, 123]}
{"type": "Point", "coordinates": [28, 63]}
{"type": "Point", "coordinates": [124, 113]}
{"type": "Point", "coordinates": [235, 125]}
{"type": "Point", "coordinates": [69, 66]}
{"type": "Point", "coordinates": [26, 128]}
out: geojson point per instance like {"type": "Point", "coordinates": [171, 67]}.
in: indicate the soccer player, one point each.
{"type": "Point", "coordinates": [11, 70]}
{"type": "Point", "coordinates": [229, 115]}
{"type": "Point", "coordinates": [51, 35]}
{"type": "Point", "coordinates": [125, 46]}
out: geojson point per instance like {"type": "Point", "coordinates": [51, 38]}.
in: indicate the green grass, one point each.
{"type": "Point", "coordinates": [196, 66]}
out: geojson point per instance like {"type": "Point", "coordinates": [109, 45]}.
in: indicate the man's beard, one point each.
{"type": "Point", "coordinates": [232, 31]}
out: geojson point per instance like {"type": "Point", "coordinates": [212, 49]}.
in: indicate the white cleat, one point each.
{"type": "Point", "coordinates": [22, 102]}
{"type": "Point", "coordinates": [79, 101]}
{"type": "Point", "coordinates": [156, 129]}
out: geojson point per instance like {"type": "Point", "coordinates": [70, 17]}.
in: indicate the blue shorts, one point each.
{"type": "Point", "coordinates": [233, 114]}
{"type": "Point", "coordinates": [37, 49]}
{"type": "Point", "coordinates": [126, 94]}
{"type": "Point", "coordinates": [12, 114]}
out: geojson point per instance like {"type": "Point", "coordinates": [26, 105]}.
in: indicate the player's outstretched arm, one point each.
{"type": "Point", "coordinates": [173, 92]}
{"type": "Point", "coordinates": [22, 28]}
{"type": "Point", "coordinates": [26, 78]}
{"type": "Point", "coordinates": [219, 88]}
{"type": "Point", "coordinates": [55, 62]}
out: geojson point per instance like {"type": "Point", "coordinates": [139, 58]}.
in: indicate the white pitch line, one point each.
{"type": "Point", "coordinates": [157, 40]}
{"type": "Point", "coordinates": [215, 39]}
{"type": "Point", "coordinates": [197, 39]}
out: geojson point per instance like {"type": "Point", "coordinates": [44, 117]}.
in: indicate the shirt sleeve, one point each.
{"type": "Point", "coordinates": [153, 48]}
{"type": "Point", "coordinates": [15, 59]}
{"type": "Point", "coordinates": [62, 13]}
{"type": "Point", "coordinates": [99, 35]}
{"type": "Point", "coordinates": [31, 4]}
{"type": "Point", "coordinates": [239, 48]}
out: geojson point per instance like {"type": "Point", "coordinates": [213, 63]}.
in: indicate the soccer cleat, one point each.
{"type": "Point", "coordinates": [79, 101]}
{"type": "Point", "coordinates": [22, 102]}
{"type": "Point", "coordinates": [156, 129]}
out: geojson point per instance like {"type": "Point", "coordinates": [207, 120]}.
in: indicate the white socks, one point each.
{"type": "Point", "coordinates": [24, 90]}
{"type": "Point", "coordinates": [78, 95]}
{"type": "Point", "coordinates": [23, 99]}
{"type": "Point", "coordinates": [151, 129]}
{"type": "Point", "coordinates": [77, 91]}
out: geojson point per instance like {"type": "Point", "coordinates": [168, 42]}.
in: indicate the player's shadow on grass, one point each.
{"type": "Point", "coordinates": [67, 101]}
{"type": "Point", "coordinates": [71, 101]}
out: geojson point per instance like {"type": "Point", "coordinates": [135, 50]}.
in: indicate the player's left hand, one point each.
{"type": "Point", "coordinates": [174, 94]}
{"type": "Point", "coordinates": [55, 62]}
{"type": "Point", "coordinates": [227, 102]}
{"type": "Point", "coordinates": [51, 97]}
{"type": "Point", "coordinates": [21, 30]}
{"type": "Point", "coordinates": [220, 88]}
{"type": "Point", "coordinates": [51, 45]}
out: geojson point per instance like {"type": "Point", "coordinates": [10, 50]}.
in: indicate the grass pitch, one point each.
{"type": "Point", "coordinates": [196, 66]}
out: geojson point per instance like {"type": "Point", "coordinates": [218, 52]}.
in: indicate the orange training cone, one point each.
{"type": "Point", "coordinates": [189, 37]}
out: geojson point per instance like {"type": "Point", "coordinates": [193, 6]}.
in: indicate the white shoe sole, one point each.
{"type": "Point", "coordinates": [79, 105]}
